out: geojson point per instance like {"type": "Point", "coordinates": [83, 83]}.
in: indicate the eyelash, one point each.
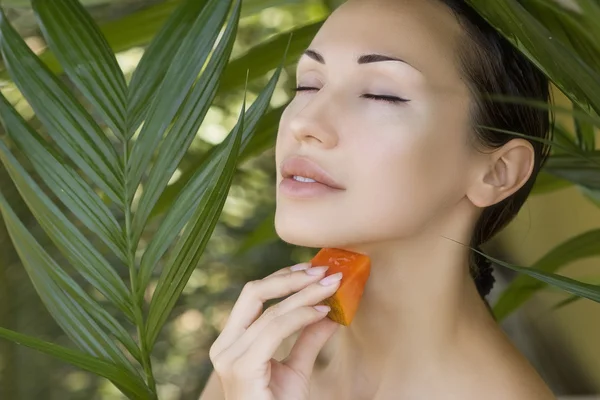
{"type": "Point", "coordinates": [387, 99]}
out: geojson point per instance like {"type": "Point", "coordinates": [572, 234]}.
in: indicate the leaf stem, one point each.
{"type": "Point", "coordinates": [136, 304]}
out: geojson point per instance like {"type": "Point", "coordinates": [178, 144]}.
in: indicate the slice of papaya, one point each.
{"type": "Point", "coordinates": [355, 268]}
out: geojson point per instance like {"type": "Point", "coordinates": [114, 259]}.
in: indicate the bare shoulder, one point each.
{"type": "Point", "coordinates": [516, 378]}
{"type": "Point", "coordinates": [486, 366]}
{"type": "Point", "coordinates": [500, 371]}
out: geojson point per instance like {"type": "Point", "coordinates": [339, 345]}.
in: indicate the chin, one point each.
{"type": "Point", "coordinates": [310, 231]}
{"type": "Point", "coordinates": [303, 230]}
{"type": "Point", "coordinates": [300, 236]}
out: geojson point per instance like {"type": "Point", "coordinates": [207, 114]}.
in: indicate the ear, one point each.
{"type": "Point", "coordinates": [501, 173]}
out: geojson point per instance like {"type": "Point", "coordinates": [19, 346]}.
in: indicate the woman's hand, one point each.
{"type": "Point", "coordinates": [242, 354]}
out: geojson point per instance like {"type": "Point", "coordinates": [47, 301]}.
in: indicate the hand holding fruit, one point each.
{"type": "Point", "coordinates": [242, 354]}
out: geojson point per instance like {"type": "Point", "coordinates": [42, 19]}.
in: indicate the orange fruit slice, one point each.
{"type": "Point", "coordinates": [355, 268]}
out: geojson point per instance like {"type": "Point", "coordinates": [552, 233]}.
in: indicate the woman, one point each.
{"type": "Point", "coordinates": [387, 118]}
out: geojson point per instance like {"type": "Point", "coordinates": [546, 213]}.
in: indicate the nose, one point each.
{"type": "Point", "coordinates": [313, 124]}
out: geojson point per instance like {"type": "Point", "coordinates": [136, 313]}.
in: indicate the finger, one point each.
{"type": "Point", "coordinates": [304, 353]}
{"type": "Point", "coordinates": [263, 348]}
{"type": "Point", "coordinates": [308, 296]}
{"type": "Point", "coordinates": [249, 305]}
{"type": "Point", "coordinates": [298, 267]}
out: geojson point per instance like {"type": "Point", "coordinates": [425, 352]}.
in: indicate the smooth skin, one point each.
{"type": "Point", "coordinates": [415, 186]}
{"type": "Point", "coordinates": [242, 354]}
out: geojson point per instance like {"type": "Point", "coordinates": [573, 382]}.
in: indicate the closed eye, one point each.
{"type": "Point", "coordinates": [386, 98]}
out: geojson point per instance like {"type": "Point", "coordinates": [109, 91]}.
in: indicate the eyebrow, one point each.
{"type": "Point", "coordinates": [364, 59]}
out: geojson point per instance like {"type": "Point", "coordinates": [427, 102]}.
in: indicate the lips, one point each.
{"type": "Point", "coordinates": [302, 166]}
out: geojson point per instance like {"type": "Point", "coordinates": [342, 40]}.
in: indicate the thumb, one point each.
{"type": "Point", "coordinates": [308, 345]}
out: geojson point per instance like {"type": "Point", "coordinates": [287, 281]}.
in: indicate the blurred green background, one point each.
{"type": "Point", "coordinates": [562, 344]}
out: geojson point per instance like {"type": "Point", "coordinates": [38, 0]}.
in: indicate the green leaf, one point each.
{"type": "Point", "coordinates": [69, 286]}
{"type": "Point", "coordinates": [523, 287]}
{"type": "Point", "coordinates": [151, 69]}
{"type": "Point", "coordinates": [135, 29]}
{"type": "Point", "coordinates": [584, 172]}
{"type": "Point", "coordinates": [68, 313]}
{"type": "Point", "coordinates": [189, 248]}
{"type": "Point", "coordinates": [264, 233]}
{"type": "Point", "coordinates": [66, 184]}
{"type": "Point", "coordinates": [75, 247]}
{"type": "Point", "coordinates": [266, 134]}
{"type": "Point", "coordinates": [578, 80]}
{"type": "Point", "coordinates": [131, 385]}
{"type": "Point", "coordinates": [592, 194]}
{"type": "Point", "coordinates": [577, 288]}
{"type": "Point", "coordinates": [566, 139]}
{"type": "Point", "coordinates": [565, 302]}
{"type": "Point", "coordinates": [139, 28]}
{"type": "Point", "coordinates": [574, 298]}
{"type": "Point", "coordinates": [576, 113]}
{"type": "Point", "coordinates": [586, 135]}
{"type": "Point", "coordinates": [546, 183]}
{"type": "Point", "coordinates": [66, 121]}
{"type": "Point", "coordinates": [588, 159]}
{"type": "Point", "coordinates": [187, 200]}
{"type": "Point", "coordinates": [570, 27]}
{"type": "Point", "coordinates": [26, 3]}
{"type": "Point", "coordinates": [86, 57]}
{"type": "Point", "coordinates": [183, 132]}
{"type": "Point", "coordinates": [180, 77]}
{"type": "Point", "coordinates": [251, 7]}
{"type": "Point", "coordinates": [265, 56]}
{"type": "Point", "coordinates": [263, 139]}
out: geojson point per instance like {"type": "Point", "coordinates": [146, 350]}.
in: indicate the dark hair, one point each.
{"type": "Point", "coordinates": [491, 64]}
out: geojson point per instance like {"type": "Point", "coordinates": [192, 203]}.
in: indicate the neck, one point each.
{"type": "Point", "coordinates": [419, 304]}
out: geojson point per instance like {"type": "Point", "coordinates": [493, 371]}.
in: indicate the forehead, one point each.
{"type": "Point", "coordinates": [425, 33]}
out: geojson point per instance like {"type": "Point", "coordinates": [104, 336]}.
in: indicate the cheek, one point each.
{"type": "Point", "coordinates": [408, 180]}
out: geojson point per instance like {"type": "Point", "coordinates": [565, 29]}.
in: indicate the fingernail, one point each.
{"type": "Point", "coordinates": [316, 270]}
{"type": "Point", "coordinates": [331, 279]}
{"type": "Point", "coordinates": [322, 308]}
{"type": "Point", "coordinates": [300, 267]}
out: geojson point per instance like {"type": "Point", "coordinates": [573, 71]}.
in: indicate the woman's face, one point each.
{"type": "Point", "coordinates": [400, 166]}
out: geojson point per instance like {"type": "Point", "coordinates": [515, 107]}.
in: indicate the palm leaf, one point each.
{"type": "Point", "coordinates": [578, 80]}
{"type": "Point", "coordinates": [69, 314]}
{"type": "Point", "coordinates": [582, 171]}
{"type": "Point", "coordinates": [66, 184]}
{"type": "Point", "coordinates": [182, 208]}
{"type": "Point", "coordinates": [181, 101]}
{"type": "Point", "coordinates": [181, 135]}
{"type": "Point", "coordinates": [586, 135]}
{"type": "Point", "coordinates": [86, 57]}
{"type": "Point", "coordinates": [180, 77]}
{"type": "Point", "coordinates": [569, 27]}
{"type": "Point", "coordinates": [263, 57]}
{"type": "Point", "coordinates": [263, 139]}
{"type": "Point", "coordinates": [151, 69]}
{"type": "Point", "coordinates": [189, 248]}
{"type": "Point", "coordinates": [546, 183]}
{"type": "Point", "coordinates": [580, 289]}
{"type": "Point", "coordinates": [565, 302]}
{"type": "Point", "coordinates": [572, 299]}
{"type": "Point", "coordinates": [133, 387]}
{"type": "Point", "coordinates": [66, 121]}
{"type": "Point", "coordinates": [76, 248]}
{"type": "Point", "coordinates": [262, 234]}
{"type": "Point", "coordinates": [523, 287]}
{"type": "Point", "coordinates": [141, 27]}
